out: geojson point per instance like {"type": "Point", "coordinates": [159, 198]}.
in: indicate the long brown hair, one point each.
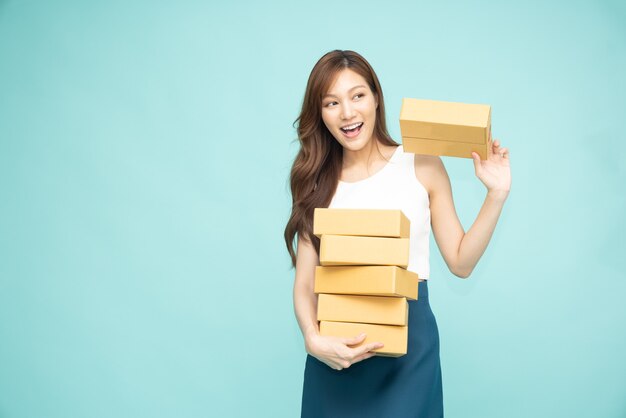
{"type": "Point", "coordinates": [317, 166]}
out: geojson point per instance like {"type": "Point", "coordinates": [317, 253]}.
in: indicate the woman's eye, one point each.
{"type": "Point", "coordinates": [329, 104]}
{"type": "Point", "coordinates": [358, 95]}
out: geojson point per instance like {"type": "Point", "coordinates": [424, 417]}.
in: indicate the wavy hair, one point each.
{"type": "Point", "coordinates": [317, 167]}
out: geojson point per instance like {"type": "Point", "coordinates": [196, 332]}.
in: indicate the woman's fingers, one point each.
{"type": "Point", "coordinates": [343, 355]}
{"type": "Point", "coordinates": [369, 347]}
{"type": "Point", "coordinates": [343, 364]}
{"type": "Point", "coordinates": [496, 147]}
{"type": "Point", "coordinates": [365, 352]}
{"type": "Point", "coordinates": [356, 354]}
{"type": "Point", "coordinates": [363, 357]}
{"type": "Point", "coordinates": [502, 152]}
{"type": "Point", "coordinates": [354, 340]}
{"type": "Point", "coordinates": [365, 348]}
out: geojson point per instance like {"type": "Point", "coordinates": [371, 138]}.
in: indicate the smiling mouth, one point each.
{"type": "Point", "coordinates": [351, 129]}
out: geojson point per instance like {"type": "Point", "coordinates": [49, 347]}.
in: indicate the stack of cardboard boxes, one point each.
{"type": "Point", "coordinates": [362, 283]}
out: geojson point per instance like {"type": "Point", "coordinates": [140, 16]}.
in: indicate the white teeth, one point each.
{"type": "Point", "coordinates": [352, 126]}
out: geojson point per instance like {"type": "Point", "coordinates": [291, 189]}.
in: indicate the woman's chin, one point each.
{"type": "Point", "coordinates": [355, 145]}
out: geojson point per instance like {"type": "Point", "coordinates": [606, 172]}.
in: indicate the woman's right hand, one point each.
{"type": "Point", "coordinates": [337, 352]}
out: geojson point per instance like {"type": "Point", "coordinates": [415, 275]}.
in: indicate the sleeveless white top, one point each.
{"type": "Point", "coordinates": [394, 187]}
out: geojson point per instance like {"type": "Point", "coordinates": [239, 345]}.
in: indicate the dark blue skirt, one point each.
{"type": "Point", "coordinates": [382, 387]}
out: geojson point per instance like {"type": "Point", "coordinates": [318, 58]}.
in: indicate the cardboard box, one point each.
{"type": "Point", "coordinates": [394, 337]}
{"type": "Point", "coordinates": [338, 250]}
{"type": "Point", "coordinates": [448, 121]}
{"type": "Point", "coordinates": [447, 148]}
{"type": "Point", "coordinates": [367, 280]}
{"type": "Point", "coordinates": [445, 128]}
{"type": "Point", "coordinates": [362, 222]}
{"type": "Point", "coordinates": [364, 309]}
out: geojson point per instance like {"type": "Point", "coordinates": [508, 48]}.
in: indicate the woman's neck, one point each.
{"type": "Point", "coordinates": [367, 160]}
{"type": "Point", "coordinates": [363, 157]}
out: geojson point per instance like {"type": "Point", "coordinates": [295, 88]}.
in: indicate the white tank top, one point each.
{"type": "Point", "coordinates": [394, 187]}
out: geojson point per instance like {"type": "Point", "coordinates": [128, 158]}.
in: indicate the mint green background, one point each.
{"type": "Point", "coordinates": [144, 154]}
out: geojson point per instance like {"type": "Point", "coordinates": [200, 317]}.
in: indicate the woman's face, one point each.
{"type": "Point", "coordinates": [349, 110]}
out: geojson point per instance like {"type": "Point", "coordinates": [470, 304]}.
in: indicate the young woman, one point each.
{"type": "Point", "coordinates": [348, 160]}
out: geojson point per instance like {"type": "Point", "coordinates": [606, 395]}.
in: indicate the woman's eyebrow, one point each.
{"type": "Point", "coordinates": [332, 95]}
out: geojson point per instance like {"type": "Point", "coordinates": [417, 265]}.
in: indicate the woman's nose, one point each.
{"type": "Point", "coordinates": [347, 112]}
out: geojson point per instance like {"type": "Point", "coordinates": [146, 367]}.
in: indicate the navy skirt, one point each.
{"type": "Point", "coordinates": [382, 387]}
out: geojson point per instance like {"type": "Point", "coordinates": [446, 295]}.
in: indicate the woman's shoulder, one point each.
{"type": "Point", "coordinates": [429, 170]}
{"type": "Point", "coordinates": [424, 159]}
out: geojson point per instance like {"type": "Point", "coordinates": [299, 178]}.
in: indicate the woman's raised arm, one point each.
{"type": "Point", "coordinates": [461, 250]}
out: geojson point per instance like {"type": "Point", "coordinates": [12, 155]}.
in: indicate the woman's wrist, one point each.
{"type": "Point", "coordinates": [310, 333]}
{"type": "Point", "coordinates": [498, 195]}
{"type": "Point", "coordinates": [310, 343]}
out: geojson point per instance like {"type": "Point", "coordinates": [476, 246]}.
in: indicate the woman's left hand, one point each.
{"type": "Point", "coordinates": [494, 172]}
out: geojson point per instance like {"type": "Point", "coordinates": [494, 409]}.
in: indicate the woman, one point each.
{"type": "Point", "coordinates": [348, 160]}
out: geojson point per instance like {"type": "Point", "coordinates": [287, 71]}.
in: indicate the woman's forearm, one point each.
{"type": "Point", "coordinates": [476, 239]}
{"type": "Point", "coordinates": [305, 307]}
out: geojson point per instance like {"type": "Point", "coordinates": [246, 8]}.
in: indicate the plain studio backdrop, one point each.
{"type": "Point", "coordinates": [145, 149]}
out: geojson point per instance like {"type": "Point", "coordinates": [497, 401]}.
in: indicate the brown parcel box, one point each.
{"type": "Point", "coordinates": [367, 280]}
{"type": "Point", "coordinates": [364, 222]}
{"type": "Point", "coordinates": [394, 337]}
{"type": "Point", "coordinates": [338, 250]}
{"type": "Point", "coordinates": [364, 309]}
{"type": "Point", "coordinates": [445, 128]}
